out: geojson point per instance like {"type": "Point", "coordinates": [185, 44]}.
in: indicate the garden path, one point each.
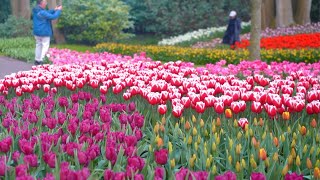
{"type": "Point", "coordinates": [9, 65]}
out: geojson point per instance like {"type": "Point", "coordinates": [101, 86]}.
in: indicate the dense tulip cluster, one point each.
{"type": "Point", "coordinates": [62, 121]}
{"type": "Point", "coordinates": [298, 41]}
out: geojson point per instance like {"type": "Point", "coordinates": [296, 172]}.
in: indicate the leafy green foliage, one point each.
{"type": "Point", "coordinates": [94, 21]}
{"type": "Point", "coordinates": [15, 27]}
{"type": "Point", "coordinates": [5, 10]}
{"type": "Point", "coordinates": [172, 17]}
{"type": "Point", "coordinates": [19, 48]}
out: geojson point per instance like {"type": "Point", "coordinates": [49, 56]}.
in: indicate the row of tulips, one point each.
{"type": "Point", "coordinates": [285, 42]}
{"type": "Point", "coordinates": [202, 56]}
{"type": "Point", "coordinates": [244, 68]}
{"type": "Point", "coordinates": [181, 88]}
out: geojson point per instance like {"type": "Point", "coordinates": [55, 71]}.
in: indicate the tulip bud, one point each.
{"type": "Point", "coordinates": [290, 160]}
{"type": "Point", "coordinates": [201, 123]}
{"type": "Point", "coordinates": [214, 170]}
{"type": "Point", "coordinates": [243, 163]}
{"type": "Point", "coordinates": [289, 130]}
{"type": "Point", "coordinates": [159, 142]}
{"type": "Point", "coordinates": [230, 143]}
{"type": "Point", "coordinates": [294, 136]}
{"type": "Point", "coordinates": [276, 141]}
{"type": "Point", "coordinates": [172, 163]}
{"type": "Point", "coordinates": [238, 149]}
{"type": "Point", "coordinates": [150, 148]}
{"type": "Point", "coordinates": [214, 147]}
{"type": "Point", "coordinates": [230, 159]}
{"type": "Point", "coordinates": [194, 131]}
{"type": "Point", "coordinates": [293, 143]}
{"type": "Point", "coordinates": [228, 113]}
{"type": "Point", "coordinates": [162, 128]}
{"type": "Point", "coordinates": [283, 138]}
{"type": "Point", "coordinates": [309, 163]}
{"type": "Point", "coordinates": [246, 127]}
{"type": "Point", "coordinates": [317, 163]}
{"type": "Point", "coordinates": [189, 140]}
{"type": "Point", "coordinates": [208, 163]}
{"type": "Point", "coordinates": [239, 135]}
{"type": "Point", "coordinates": [163, 120]}
{"type": "Point", "coordinates": [218, 140]}
{"type": "Point", "coordinates": [312, 150]}
{"type": "Point", "coordinates": [255, 121]}
{"type": "Point", "coordinates": [285, 170]}
{"type": "Point", "coordinates": [261, 122]}
{"type": "Point", "coordinates": [238, 166]}
{"type": "Point", "coordinates": [251, 132]}
{"type": "Point", "coordinates": [191, 161]}
{"type": "Point", "coordinates": [253, 163]}
{"type": "Point", "coordinates": [318, 138]}
{"type": "Point", "coordinates": [267, 163]}
{"type": "Point", "coordinates": [187, 125]}
{"type": "Point", "coordinates": [298, 163]}
{"type": "Point", "coordinates": [275, 156]}
{"type": "Point", "coordinates": [156, 128]}
{"type": "Point", "coordinates": [264, 135]}
{"type": "Point", "coordinates": [199, 139]}
{"type": "Point", "coordinates": [235, 123]}
{"type": "Point", "coordinates": [196, 146]}
{"type": "Point", "coordinates": [262, 154]}
{"type": "Point", "coordinates": [170, 147]}
{"type": "Point", "coordinates": [316, 173]}
{"type": "Point", "coordinates": [214, 128]}
{"type": "Point", "coordinates": [194, 120]}
{"type": "Point", "coordinates": [182, 120]}
{"type": "Point", "coordinates": [293, 153]}
{"type": "Point", "coordinates": [286, 115]}
{"type": "Point", "coordinates": [305, 149]}
{"type": "Point", "coordinates": [303, 130]}
{"type": "Point", "coordinates": [255, 143]}
{"type": "Point", "coordinates": [313, 123]}
{"type": "Point", "coordinates": [218, 123]}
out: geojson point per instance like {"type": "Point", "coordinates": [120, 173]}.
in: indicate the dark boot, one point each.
{"type": "Point", "coordinates": [38, 62]}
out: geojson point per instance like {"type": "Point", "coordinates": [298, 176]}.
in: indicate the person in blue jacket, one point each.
{"type": "Point", "coordinates": [232, 34]}
{"type": "Point", "coordinates": [42, 29]}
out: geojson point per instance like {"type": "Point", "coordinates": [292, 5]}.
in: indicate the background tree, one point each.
{"type": "Point", "coordinates": [21, 8]}
{"type": "Point", "coordinates": [58, 35]}
{"type": "Point", "coordinates": [254, 48]}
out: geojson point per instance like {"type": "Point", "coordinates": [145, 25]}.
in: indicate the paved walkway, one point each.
{"type": "Point", "coordinates": [9, 65]}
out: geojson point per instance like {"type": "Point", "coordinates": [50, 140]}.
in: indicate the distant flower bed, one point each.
{"type": "Point", "coordinates": [286, 42]}
{"type": "Point", "coordinates": [299, 29]}
{"type": "Point", "coordinates": [203, 56]}
{"type": "Point", "coordinates": [195, 35]}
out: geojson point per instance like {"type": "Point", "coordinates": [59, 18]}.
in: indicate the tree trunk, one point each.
{"type": "Point", "coordinates": [254, 48]}
{"type": "Point", "coordinates": [267, 13]}
{"type": "Point", "coordinates": [15, 8]}
{"type": "Point", "coordinates": [24, 9]}
{"type": "Point", "coordinates": [57, 34]}
{"type": "Point", "coordinates": [302, 13]}
{"type": "Point", "coordinates": [284, 15]}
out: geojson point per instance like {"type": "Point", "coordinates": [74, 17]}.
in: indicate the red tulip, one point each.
{"type": "Point", "coordinates": [299, 106]}
{"type": "Point", "coordinates": [309, 108]}
{"type": "Point", "coordinates": [162, 109]}
{"type": "Point", "coordinates": [235, 107]}
{"type": "Point", "coordinates": [19, 91]}
{"type": "Point", "coordinates": [177, 111]}
{"type": "Point", "coordinates": [126, 96]}
{"type": "Point", "coordinates": [186, 102]}
{"type": "Point", "coordinates": [103, 89]}
{"type": "Point", "coordinates": [242, 122]}
{"type": "Point", "coordinates": [200, 107]}
{"type": "Point", "coordinates": [316, 107]}
{"type": "Point", "coordinates": [209, 101]}
{"type": "Point", "coordinates": [161, 156]}
{"type": "Point", "coordinates": [218, 107]}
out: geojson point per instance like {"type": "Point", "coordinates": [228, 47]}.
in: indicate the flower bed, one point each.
{"type": "Point", "coordinates": [185, 122]}
{"type": "Point", "coordinates": [298, 41]}
{"type": "Point", "coordinates": [206, 56]}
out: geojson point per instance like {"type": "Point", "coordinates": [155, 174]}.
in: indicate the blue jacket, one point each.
{"type": "Point", "coordinates": [42, 21]}
{"type": "Point", "coordinates": [232, 33]}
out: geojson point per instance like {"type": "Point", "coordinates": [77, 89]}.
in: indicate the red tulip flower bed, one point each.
{"type": "Point", "coordinates": [297, 41]}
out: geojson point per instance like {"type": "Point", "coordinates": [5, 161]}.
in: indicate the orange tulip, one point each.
{"type": "Point", "coordinates": [313, 123]}
{"type": "Point", "coordinates": [303, 130]}
{"type": "Point", "coordinates": [218, 122]}
{"type": "Point", "coordinates": [159, 142]}
{"type": "Point", "coordinates": [261, 122]}
{"type": "Point", "coordinates": [309, 163]}
{"type": "Point", "coordinates": [255, 143]}
{"type": "Point", "coordinates": [286, 115]}
{"type": "Point", "coordinates": [276, 141]}
{"type": "Point", "coordinates": [262, 154]}
{"type": "Point", "coordinates": [316, 173]}
{"type": "Point", "coordinates": [228, 113]}
{"type": "Point", "coordinates": [187, 125]}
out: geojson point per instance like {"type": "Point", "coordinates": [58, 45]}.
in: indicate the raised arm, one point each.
{"type": "Point", "coordinates": [48, 15]}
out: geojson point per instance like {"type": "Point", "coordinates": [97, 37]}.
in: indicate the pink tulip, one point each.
{"type": "Point", "coordinates": [161, 156]}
